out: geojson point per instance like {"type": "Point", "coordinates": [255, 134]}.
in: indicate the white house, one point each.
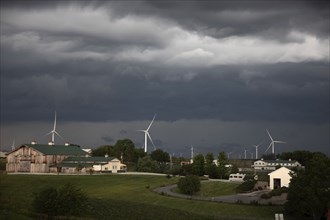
{"type": "Point", "coordinates": [279, 178]}
{"type": "Point", "coordinates": [273, 164]}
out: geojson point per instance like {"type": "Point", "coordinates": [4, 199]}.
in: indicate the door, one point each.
{"type": "Point", "coordinates": [277, 183]}
{"type": "Point", "coordinates": [24, 166]}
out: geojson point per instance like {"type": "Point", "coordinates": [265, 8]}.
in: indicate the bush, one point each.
{"type": "Point", "coordinates": [67, 200]}
{"type": "Point", "coordinates": [247, 185]}
{"type": "Point", "coordinates": [189, 185]}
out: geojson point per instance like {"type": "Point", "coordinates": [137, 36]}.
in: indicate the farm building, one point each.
{"type": "Point", "coordinates": [273, 164]}
{"type": "Point", "coordinates": [279, 178]}
{"type": "Point", "coordinates": [87, 164]}
{"type": "Point", "coordinates": [38, 158]}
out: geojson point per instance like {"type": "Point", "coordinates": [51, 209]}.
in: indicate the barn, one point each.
{"type": "Point", "coordinates": [279, 178]}
{"type": "Point", "coordinates": [40, 158]}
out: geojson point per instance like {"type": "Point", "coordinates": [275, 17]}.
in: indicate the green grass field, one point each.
{"type": "Point", "coordinates": [121, 197]}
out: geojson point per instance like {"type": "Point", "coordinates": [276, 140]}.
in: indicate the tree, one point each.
{"type": "Point", "coordinates": [103, 150]}
{"type": "Point", "coordinates": [198, 165]}
{"type": "Point", "coordinates": [222, 162]}
{"type": "Point", "coordinates": [126, 148]}
{"type": "Point", "coordinates": [208, 163]}
{"type": "Point", "coordinates": [189, 185]}
{"type": "Point", "coordinates": [139, 153]}
{"type": "Point", "coordinates": [146, 164]}
{"type": "Point", "coordinates": [309, 192]}
{"type": "Point", "coordinates": [160, 156]}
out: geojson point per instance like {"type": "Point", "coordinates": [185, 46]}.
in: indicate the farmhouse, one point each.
{"type": "Point", "coordinates": [87, 164]}
{"type": "Point", "coordinates": [279, 178]}
{"type": "Point", "coordinates": [38, 158]}
{"type": "Point", "coordinates": [273, 164]}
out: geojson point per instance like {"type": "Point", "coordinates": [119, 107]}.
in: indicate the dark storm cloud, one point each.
{"type": "Point", "coordinates": [108, 139]}
{"type": "Point", "coordinates": [229, 61]}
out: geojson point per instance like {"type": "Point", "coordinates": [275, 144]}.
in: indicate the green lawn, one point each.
{"type": "Point", "coordinates": [212, 189]}
{"type": "Point", "coordinates": [122, 197]}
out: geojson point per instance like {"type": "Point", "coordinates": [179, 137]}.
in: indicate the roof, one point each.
{"type": "Point", "coordinates": [57, 149]}
{"type": "Point", "coordinates": [280, 169]}
{"type": "Point", "coordinates": [89, 159]}
{"type": "Point", "coordinates": [278, 161]}
{"type": "Point", "coordinates": [84, 161]}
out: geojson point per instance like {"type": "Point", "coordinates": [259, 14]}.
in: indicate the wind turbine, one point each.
{"type": "Point", "coordinates": [228, 154]}
{"type": "Point", "coordinates": [272, 143]}
{"type": "Point", "coordinates": [53, 132]}
{"type": "Point", "coordinates": [13, 145]}
{"type": "Point", "coordinates": [256, 146]}
{"type": "Point", "coordinates": [147, 135]}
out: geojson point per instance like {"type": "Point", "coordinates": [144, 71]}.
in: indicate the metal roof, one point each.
{"type": "Point", "coordinates": [88, 159]}
{"type": "Point", "coordinates": [57, 149]}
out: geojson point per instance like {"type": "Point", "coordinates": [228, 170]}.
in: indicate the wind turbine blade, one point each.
{"type": "Point", "coordinates": [151, 122]}
{"type": "Point", "coordinates": [269, 135]}
{"type": "Point", "coordinates": [49, 133]}
{"type": "Point", "coordinates": [59, 135]}
{"type": "Point", "coordinates": [268, 147]}
{"type": "Point", "coordinates": [151, 140]}
{"type": "Point", "coordinates": [55, 122]}
{"type": "Point", "coordinates": [280, 142]}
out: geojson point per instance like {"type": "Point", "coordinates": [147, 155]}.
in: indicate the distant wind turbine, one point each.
{"type": "Point", "coordinates": [53, 132]}
{"type": "Point", "coordinates": [228, 154]}
{"type": "Point", "coordinates": [272, 143]}
{"type": "Point", "coordinates": [256, 146]}
{"type": "Point", "coordinates": [13, 145]}
{"type": "Point", "coordinates": [147, 135]}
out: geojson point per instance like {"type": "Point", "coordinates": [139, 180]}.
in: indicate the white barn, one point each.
{"type": "Point", "coordinates": [279, 178]}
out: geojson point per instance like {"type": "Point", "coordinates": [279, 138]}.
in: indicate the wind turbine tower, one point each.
{"type": "Point", "coordinates": [192, 154]}
{"type": "Point", "coordinates": [53, 132]}
{"type": "Point", "coordinates": [256, 146]}
{"type": "Point", "coordinates": [13, 145]}
{"type": "Point", "coordinates": [228, 154]}
{"type": "Point", "coordinates": [147, 135]}
{"type": "Point", "coordinates": [272, 143]}
{"type": "Point", "coordinates": [245, 153]}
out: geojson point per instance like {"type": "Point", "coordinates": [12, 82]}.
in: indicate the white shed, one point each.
{"type": "Point", "coordinates": [279, 178]}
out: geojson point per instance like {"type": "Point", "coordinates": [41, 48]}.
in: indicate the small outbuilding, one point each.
{"type": "Point", "coordinates": [279, 178]}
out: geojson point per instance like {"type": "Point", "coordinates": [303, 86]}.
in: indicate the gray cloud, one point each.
{"type": "Point", "coordinates": [226, 61]}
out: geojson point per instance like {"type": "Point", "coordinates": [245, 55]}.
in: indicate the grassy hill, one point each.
{"type": "Point", "coordinates": [121, 197]}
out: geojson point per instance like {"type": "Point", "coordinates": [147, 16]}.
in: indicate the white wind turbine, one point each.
{"type": "Point", "coordinates": [256, 146]}
{"type": "Point", "coordinates": [13, 145]}
{"type": "Point", "coordinates": [147, 135]}
{"type": "Point", "coordinates": [53, 132]}
{"type": "Point", "coordinates": [272, 143]}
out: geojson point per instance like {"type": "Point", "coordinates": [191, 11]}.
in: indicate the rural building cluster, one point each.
{"type": "Point", "coordinates": [43, 158]}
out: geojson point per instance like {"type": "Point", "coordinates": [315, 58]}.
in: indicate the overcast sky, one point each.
{"type": "Point", "coordinates": [217, 73]}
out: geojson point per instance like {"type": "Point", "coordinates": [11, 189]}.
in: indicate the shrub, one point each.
{"type": "Point", "coordinates": [189, 185]}
{"type": "Point", "coordinates": [67, 200]}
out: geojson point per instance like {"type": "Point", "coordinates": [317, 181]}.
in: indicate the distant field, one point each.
{"type": "Point", "coordinates": [121, 197]}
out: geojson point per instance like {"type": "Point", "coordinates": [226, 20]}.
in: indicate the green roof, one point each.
{"type": "Point", "coordinates": [72, 165]}
{"type": "Point", "coordinates": [88, 159]}
{"type": "Point", "coordinates": [57, 149]}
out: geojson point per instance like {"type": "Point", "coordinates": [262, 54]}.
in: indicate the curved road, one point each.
{"type": "Point", "coordinates": [237, 198]}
